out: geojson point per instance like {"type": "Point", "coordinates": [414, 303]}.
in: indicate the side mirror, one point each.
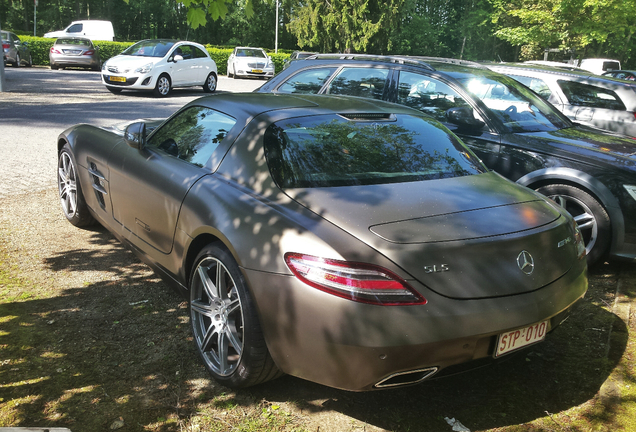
{"type": "Point", "coordinates": [463, 117]}
{"type": "Point", "coordinates": [177, 58]}
{"type": "Point", "coordinates": [135, 135]}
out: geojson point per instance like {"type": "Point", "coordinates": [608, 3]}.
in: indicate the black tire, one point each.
{"type": "Point", "coordinates": [54, 67]}
{"type": "Point", "coordinates": [30, 61]}
{"type": "Point", "coordinates": [70, 191]}
{"type": "Point", "coordinates": [591, 217]}
{"type": "Point", "coordinates": [17, 61]}
{"type": "Point", "coordinates": [163, 86]}
{"type": "Point", "coordinates": [114, 90]}
{"type": "Point", "coordinates": [224, 322]}
{"type": "Point", "coordinates": [210, 83]}
{"type": "Point", "coordinates": [234, 72]}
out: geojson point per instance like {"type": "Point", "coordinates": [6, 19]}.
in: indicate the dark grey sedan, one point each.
{"type": "Point", "coordinates": [74, 52]}
{"type": "Point", "coordinates": [354, 243]}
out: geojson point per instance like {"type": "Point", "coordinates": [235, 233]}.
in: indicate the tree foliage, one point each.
{"type": "Point", "coordinates": [468, 29]}
{"type": "Point", "coordinates": [344, 25]}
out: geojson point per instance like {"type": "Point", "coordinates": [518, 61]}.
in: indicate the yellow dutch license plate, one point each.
{"type": "Point", "coordinates": [257, 71]}
{"type": "Point", "coordinates": [117, 79]}
{"type": "Point", "coordinates": [516, 339]}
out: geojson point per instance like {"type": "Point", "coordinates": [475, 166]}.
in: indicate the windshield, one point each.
{"type": "Point", "coordinates": [152, 48]}
{"type": "Point", "coordinates": [331, 150]}
{"type": "Point", "coordinates": [247, 52]}
{"type": "Point", "coordinates": [514, 105]}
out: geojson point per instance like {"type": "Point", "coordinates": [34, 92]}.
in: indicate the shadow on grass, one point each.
{"type": "Point", "coordinates": [121, 347]}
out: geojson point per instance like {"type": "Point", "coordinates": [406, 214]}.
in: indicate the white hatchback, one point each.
{"type": "Point", "coordinates": [158, 65]}
{"type": "Point", "coordinates": [247, 61]}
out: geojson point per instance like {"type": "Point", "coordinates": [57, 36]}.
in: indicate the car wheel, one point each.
{"type": "Point", "coordinates": [210, 83]}
{"type": "Point", "coordinates": [589, 214]}
{"type": "Point", "coordinates": [70, 191]}
{"type": "Point", "coordinates": [229, 74]}
{"type": "Point", "coordinates": [234, 72]}
{"type": "Point", "coordinates": [30, 61]}
{"type": "Point", "coordinates": [114, 90]}
{"type": "Point", "coordinates": [162, 88]}
{"type": "Point", "coordinates": [54, 67]}
{"type": "Point", "coordinates": [17, 60]}
{"type": "Point", "coordinates": [224, 322]}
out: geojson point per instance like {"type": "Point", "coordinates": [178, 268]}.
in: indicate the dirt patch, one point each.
{"type": "Point", "coordinates": [89, 336]}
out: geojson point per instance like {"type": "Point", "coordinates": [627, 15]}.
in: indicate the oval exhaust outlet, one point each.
{"type": "Point", "coordinates": [406, 378]}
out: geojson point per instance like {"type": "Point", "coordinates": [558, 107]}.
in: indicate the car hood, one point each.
{"type": "Point", "coordinates": [460, 237]}
{"type": "Point", "coordinates": [584, 141]}
{"type": "Point", "coordinates": [126, 63]}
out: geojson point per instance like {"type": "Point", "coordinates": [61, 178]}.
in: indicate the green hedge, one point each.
{"type": "Point", "coordinates": [40, 48]}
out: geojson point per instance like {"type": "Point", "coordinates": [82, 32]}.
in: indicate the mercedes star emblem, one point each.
{"type": "Point", "coordinates": [525, 262]}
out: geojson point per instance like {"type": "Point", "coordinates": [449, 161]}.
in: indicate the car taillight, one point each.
{"type": "Point", "coordinates": [6, 46]}
{"type": "Point", "coordinates": [365, 283]}
{"type": "Point", "coordinates": [89, 52]}
{"type": "Point", "coordinates": [55, 51]}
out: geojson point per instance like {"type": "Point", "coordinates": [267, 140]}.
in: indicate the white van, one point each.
{"type": "Point", "coordinates": [600, 65]}
{"type": "Point", "coordinates": [92, 29]}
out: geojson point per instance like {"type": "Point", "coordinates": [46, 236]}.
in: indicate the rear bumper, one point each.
{"type": "Point", "coordinates": [354, 346]}
{"type": "Point", "coordinates": [79, 61]}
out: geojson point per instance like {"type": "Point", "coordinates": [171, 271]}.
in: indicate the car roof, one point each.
{"type": "Point", "coordinates": [245, 106]}
{"type": "Point", "coordinates": [584, 76]}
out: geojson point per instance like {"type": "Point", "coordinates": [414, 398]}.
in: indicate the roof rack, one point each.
{"type": "Point", "coordinates": [382, 58]}
{"type": "Point", "coordinates": [451, 61]}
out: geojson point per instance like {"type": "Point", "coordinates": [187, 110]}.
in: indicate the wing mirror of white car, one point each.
{"type": "Point", "coordinates": [135, 135]}
{"type": "Point", "coordinates": [177, 58]}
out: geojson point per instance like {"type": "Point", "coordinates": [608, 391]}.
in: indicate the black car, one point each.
{"type": "Point", "coordinates": [592, 173]}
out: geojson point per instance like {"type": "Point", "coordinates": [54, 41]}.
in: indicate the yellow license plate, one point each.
{"type": "Point", "coordinates": [513, 340]}
{"type": "Point", "coordinates": [117, 79]}
{"type": "Point", "coordinates": [257, 71]}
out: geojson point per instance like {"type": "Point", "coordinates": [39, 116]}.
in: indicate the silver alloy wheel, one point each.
{"type": "Point", "coordinates": [217, 316]}
{"type": "Point", "coordinates": [583, 217]}
{"type": "Point", "coordinates": [163, 85]}
{"type": "Point", "coordinates": [211, 83]}
{"type": "Point", "coordinates": [67, 186]}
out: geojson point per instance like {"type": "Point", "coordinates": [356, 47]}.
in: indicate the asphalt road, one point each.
{"type": "Point", "coordinates": [39, 103]}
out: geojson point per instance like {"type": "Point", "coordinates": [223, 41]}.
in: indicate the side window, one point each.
{"type": "Point", "coordinates": [537, 85]}
{"type": "Point", "coordinates": [427, 94]}
{"type": "Point", "coordinates": [184, 51]}
{"type": "Point", "coordinates": [76, 28]}
{"type": "Point", "coordinates": [309, 81]}
{"type": "Point", "coordinates": [193, 134]}
{"type": "Point", "coordinates": [355, 81]}
{"type": "Point", "coordinates": [198, 53]}
{"type": "Point", "coordinates": [586, 95]}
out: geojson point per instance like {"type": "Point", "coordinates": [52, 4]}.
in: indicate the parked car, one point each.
{"type": "Point", "coordinates": [592, 173]}
{"type": "Point", "coordinates": [159, 65]}
{"type": "Point", "coordinates": [599, 65]}
{"type": "Point", "coordinates": [16, 52]}
{"type": "Point", "coordinates": [628, 75]}
{"type": "Point", "coordinates": [353, 243]}
{"type": "Point", "coordinates": [585, 98]}
{"type": "Point", "coordinates": [297, 55]}
{"type": "Point", "coordinates": [250, 62]}
{"type": "Point", "coordinates": [74, 52]}
{"type": "Point", "coordinates": [91, 29]}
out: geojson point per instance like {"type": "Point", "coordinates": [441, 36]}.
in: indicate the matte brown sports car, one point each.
{"type": "Point", "coordinates": [354, 243]}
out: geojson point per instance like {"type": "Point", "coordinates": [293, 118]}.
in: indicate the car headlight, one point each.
{"type": "Point", "coordinates": [631, 189]}
{"type": "Point", "coordinates": [145, 68]}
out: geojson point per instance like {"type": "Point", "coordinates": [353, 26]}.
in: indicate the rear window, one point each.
{"type": "Point", "coordinates": [587, 95]}
{"type": "Point", "coordinates": [73, 41]}
{"type": "Point", "coordinates": [333, 150]}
